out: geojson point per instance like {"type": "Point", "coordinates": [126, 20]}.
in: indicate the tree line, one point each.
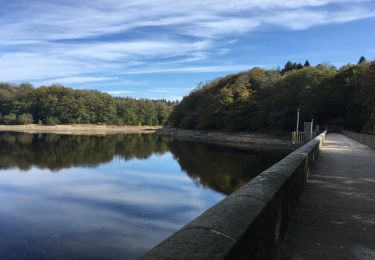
{"type": "Point", "coordinates": [266, 100]}
{"type": "Point", "coordinates": [56, 104]}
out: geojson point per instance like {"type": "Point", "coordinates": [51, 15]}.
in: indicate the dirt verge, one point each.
{"type": "Point", "coordinates": [79, 129]}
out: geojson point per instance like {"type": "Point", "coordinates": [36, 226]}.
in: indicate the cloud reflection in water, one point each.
{"type": "Point", "coordinates": [79, 197]}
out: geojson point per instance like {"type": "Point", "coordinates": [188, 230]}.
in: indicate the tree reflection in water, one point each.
{"type": "Point", "coordinates": [222, 169]}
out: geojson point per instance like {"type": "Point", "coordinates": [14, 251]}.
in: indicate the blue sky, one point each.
{"type": "Point", "coordinates": [163, 49]}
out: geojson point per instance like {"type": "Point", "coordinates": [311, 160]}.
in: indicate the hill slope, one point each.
{"type": "Point", "coordinates": [266, 100]}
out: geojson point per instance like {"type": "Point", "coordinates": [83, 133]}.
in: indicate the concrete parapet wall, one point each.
{"type": "Point", "coordinates": [362, 138]}
{"type": "Point", "coordinates": [251, 222]}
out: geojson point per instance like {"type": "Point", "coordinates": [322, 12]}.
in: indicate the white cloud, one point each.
{"type": "Point", "coordinates": [47, 20]}
{"type": "Point", "coordinates": [120, 92]}
{"type": "Point", "coordinates": [146, 48]}
{"type": "Point", "coordinates": [188, 69]}
{"type": "Point", "coordinates": [308, 18]}
{"type": "Point", "coordinates": [72, 80]}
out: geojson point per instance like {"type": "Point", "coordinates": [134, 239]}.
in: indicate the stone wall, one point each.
{"type": "Point", "coordinates": [362, 138]}
{"type": "Point", "coordinates": [251, 222]}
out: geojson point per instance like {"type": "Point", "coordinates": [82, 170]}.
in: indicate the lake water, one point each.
{"type": "Point", "coordinates": [109, 197]}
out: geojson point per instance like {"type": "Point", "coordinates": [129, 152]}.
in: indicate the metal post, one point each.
{"type": "Point", "coordinates": [312, 123]}
{"type": "Point", "coordinates": [297, 121]}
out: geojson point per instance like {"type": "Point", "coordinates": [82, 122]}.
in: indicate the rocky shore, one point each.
{"type": "Point", "coordinates": [239, 139]}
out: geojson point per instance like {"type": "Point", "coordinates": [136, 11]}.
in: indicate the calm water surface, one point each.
{"type": "Point", "coordinates": [109, 197]}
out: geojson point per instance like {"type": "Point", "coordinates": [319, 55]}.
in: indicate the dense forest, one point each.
{"type": "Point", "coordinates": [267, 100]}
{"type": "Point", "coordinates": [24, 104]}
{"type": "Point", "coordinates": [253, 100]}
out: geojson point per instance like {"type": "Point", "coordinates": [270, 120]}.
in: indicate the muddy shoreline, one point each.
{"type": "Point", "coordinates": [256, 141]}
{"type": "Point", "coordinates": [239, 139]}
{"type": "Point", "coordinates": [79, 129]}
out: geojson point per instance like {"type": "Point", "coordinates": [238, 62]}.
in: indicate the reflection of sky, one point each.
{"type": "Point", "coordinates": [115, 210]}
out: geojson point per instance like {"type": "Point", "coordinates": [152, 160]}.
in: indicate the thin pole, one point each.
{"type": "Point", "coordinates": [297, 121]}
{"type": "Point", "coordinates": [312, 123]}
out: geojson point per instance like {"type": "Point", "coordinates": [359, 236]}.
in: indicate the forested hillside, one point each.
{"type": "Point", "coordinates": [23, 104]}
{"type": "Point", "coordinates": [266, 100]}
{"type": "Point", "coordinates": [254, 100]}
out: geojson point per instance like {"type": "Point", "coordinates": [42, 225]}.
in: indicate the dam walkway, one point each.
{"type": "Point", "coordinates": [335, 217]}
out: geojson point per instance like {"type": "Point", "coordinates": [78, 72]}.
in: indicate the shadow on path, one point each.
{"type": "Point", "coordinates": [335, 218]}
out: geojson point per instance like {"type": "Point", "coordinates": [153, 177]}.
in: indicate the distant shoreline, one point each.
{"type": "Point", "coordinates": [80, 129]}
{"type": "Point", "coordinates": [236, 139]}
{"type": "Point", "coordinates": [246, 140]}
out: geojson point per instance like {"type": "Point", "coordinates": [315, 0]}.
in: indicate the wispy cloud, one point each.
{"type": "Point", "coordinates": [56, 20]}
{"type": "Point", "coordinates": [188, 69]}
{"type": "Point", "coordinates": [120, 92]}
{"type": "Point", "coordinates": [146, 49]}
{"type": "Point", "coordinates": [308, 18]}
{"type": "Point", "coordinates": [72, 80]}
